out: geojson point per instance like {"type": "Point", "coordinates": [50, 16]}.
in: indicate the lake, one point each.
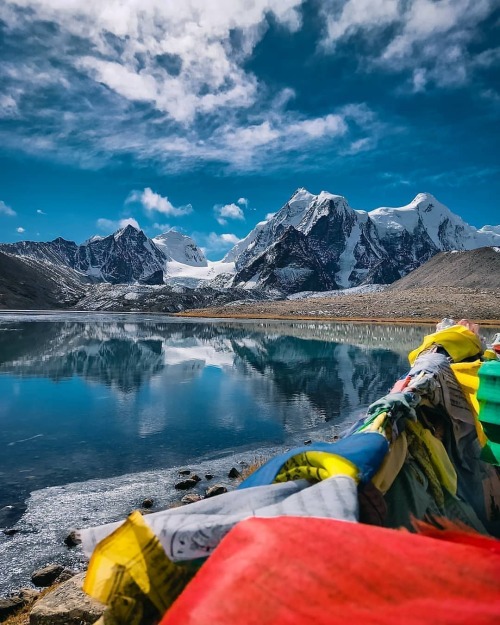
{"type": "Point", "coordinates": [95, 409]}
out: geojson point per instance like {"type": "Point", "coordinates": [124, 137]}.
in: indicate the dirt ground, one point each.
{"type": "Point", "coordinates": [412, 305]}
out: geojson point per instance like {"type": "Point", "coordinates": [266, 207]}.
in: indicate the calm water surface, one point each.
{"type": "Point", "coordinates": [96, 396]}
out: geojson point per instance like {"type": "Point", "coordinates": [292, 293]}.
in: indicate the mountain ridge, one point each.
{"type": "Point", "coordinates": [314, 242]}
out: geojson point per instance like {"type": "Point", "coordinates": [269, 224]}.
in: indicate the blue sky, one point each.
{"type": "Point", "coordinates": [206, 115]}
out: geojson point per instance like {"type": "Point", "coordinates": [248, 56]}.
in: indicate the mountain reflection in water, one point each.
{"type": "Point", "coordinates": [96, 398]}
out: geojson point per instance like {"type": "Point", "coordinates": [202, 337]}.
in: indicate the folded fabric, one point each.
{"type": "Point", "coordinates": [293, 571]}
{"type": "Point", "coordinates": [194, 531]}
{"type": "Point", "coordinates": [366, 451]}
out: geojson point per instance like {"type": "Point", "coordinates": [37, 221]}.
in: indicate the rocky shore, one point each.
{"type": "Point", "coordinates": [423, 304]}
{"type": "Point", "coordinates": [55, 596]}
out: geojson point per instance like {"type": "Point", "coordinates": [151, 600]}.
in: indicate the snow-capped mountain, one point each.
{"type": "Point", "coordinates": [352, 247]}
{"type": "Point", "coordinates": [314, 243]}
{"type": "Point", "coordinates": [180, 248]}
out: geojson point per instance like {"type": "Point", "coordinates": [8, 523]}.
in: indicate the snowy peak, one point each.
{"type": "Point", "coordinates": [180, 248]}
{"type": "Point", "coordinates": [425, 214]}
{"type": "Point", "coordinates": [324, 205]}
{"type": "Point", "coordinates": [352, 247]}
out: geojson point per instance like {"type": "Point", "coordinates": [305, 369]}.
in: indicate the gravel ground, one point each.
{"type": "Point", "coordinates": [420, 304]}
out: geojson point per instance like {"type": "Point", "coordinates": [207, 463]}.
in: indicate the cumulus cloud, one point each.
{"type": "Point", "coordinates": [20, 230]}
{"type": "Point", "coordinates": [154, 202]}
{"type": "Point", "coordinates": [40, 211]}
{"type": "Point", "coordinates": [6, 210]}
{"type": "Point", "coordinates": [91, 82]}
{"type": "Point", "coordinates": [228, 211]}
{"type": "Point", "coordinates": [114, 80]}
{"type": "Point", "coordinates": [149, 50]}
{"type": "Point", "coordinates": [219, 242]}
{"type": "Point", "coordinates": [110, 225]}
{"type": "Point", "coordinates": [243, 201]}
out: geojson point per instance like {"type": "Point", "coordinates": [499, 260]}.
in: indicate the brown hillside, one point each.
{"type": "Point", "coordinates": [474, 269]}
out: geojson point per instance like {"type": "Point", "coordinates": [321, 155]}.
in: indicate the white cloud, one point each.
{"type": "Point", "coordinates": [243, 201]}
{"type": "Point", "coordinates": [8, 106]}
{"type": "Point", "coordinates": [20, 230]}
{"type": "Point", "coordinates": [430, 38]}
{"type": "Point", "coordinates": [110, 225]}
{"type": "Point", "coordinates": [149, 50]}
{"type": "Point", "coordinates": [154, 202]}
{"type": "Point", "coordinates": [346, 18]}
{"type": "Point", "coordinates": [217, 242]}
{"type": "Point", "coordinates": [40, 211]}
{"type": "Point", "coordinates": [6, 210]}
{"type": "Point", "coordinates": [162, 227]}
{"type": "Point", "coordinates": [228, 211]}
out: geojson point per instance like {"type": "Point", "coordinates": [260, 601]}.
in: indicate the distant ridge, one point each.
{"type": "Point", "coordinates": [469, 269]}
{"type": "Point", "coordinates": [28, 283]}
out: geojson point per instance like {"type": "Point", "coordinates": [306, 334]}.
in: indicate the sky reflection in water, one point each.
{"type": "Point", "coordinates": [104, 396]}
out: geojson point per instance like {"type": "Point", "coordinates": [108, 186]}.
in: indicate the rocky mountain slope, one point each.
{"type": "Point", "coordinates": [352, 247]}
{"type": "Point", "coordinates": [28, 283]}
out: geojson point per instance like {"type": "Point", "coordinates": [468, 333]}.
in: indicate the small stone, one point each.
{"type": "Point", "coordinates": [67, 605]}
{"type": "Point", "coordinates": [47, 575]}
{"type": "Point", "coordinates": [184, 471]}
{"type": "Point", "coordinates": [185, 484]}
{"type": "Point", "coordinates": [216, 489]}
{"type": "Point", "coordinates": [191, 498]}
{"type": "Point", "coordinates": [209, 476]}
{"type": "Point", "coordinates": [308, 441]}
{"type": "Point", "coordinates": [72, 539]}
{"type": "Point", "coordinates": [10, 531]}
{"type": "Point", "coordinates": [234, 473]}
{"type": "Point", "coordinates": [195, 477]}
{"type": "Point", "coordinates": [147, 503]}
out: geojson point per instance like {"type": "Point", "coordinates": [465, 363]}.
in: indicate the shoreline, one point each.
{"type": "Point", "coordinates": [207, 314]}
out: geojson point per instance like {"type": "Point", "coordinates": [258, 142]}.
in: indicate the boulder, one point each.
{"type": "Point", "coordinates": [67, 605]}
{"type": "Point", "coordinates": [216, 489]}
{"type": "Point", "coordinates": [234, 473]}
{"type": "Point", "coordinates": [47, 575]}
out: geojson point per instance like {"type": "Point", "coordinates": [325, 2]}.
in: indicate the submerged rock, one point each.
{"type": "Point", "coordinates": [185, 484]}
